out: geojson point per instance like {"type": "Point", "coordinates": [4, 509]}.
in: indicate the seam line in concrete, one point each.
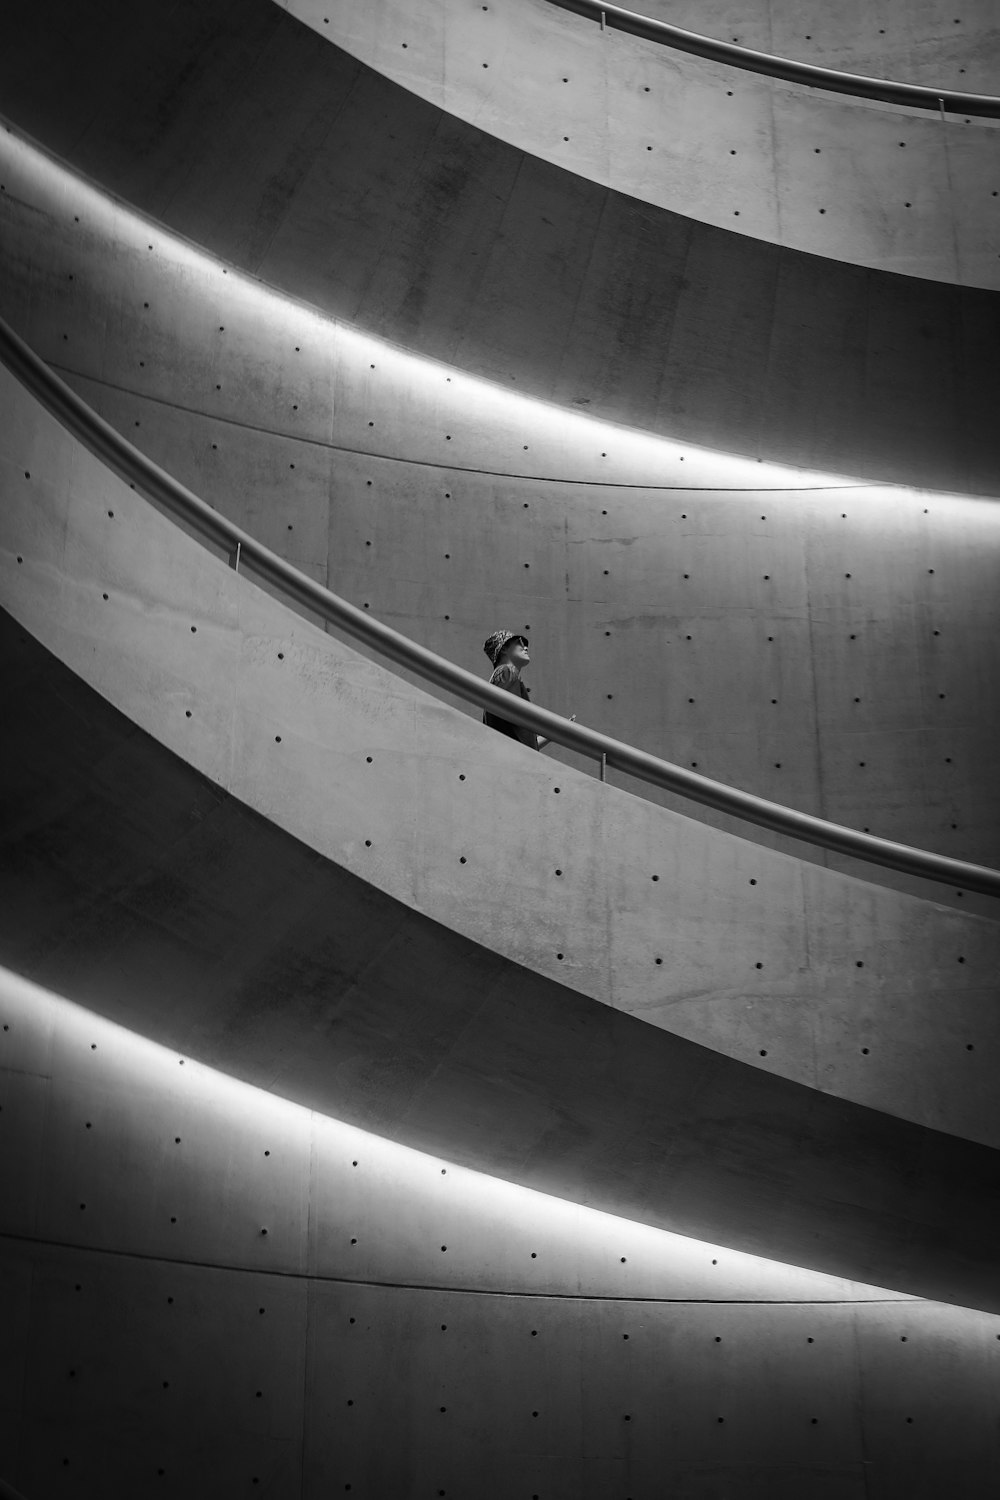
{"type": "Point", "coordinates": [460, 1291]}
{"type": "Point", "coordinates": [427, 463]}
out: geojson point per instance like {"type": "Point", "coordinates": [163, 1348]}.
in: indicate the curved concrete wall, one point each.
{"type": "Point", "coordinates": [210, 1292]}
{"type": "Point", "coordinates": [824, 643]}
{"type": "Point", "coordinates": [245, 131]}
{"type": "Point", "coordinates": [699, 932]}
{"type": "Point", "coordinates": [169, 906]}
{"type": "Point", "coordinates": [933, 42]}
{"type": "Point", "coordinates": [838, 176]}
{"type": "Point", "coordinates": [157, 1339]}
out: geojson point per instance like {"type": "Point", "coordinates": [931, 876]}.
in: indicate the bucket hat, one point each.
{"type": "Point", "coordinates": [497, 642]}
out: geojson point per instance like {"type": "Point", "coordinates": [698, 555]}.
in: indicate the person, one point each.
{"type": "Point", "coordinates": [509, 653]}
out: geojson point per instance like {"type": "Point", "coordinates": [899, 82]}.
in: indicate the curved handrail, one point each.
{"type": "Point", "coordinates": [915, 95]}
{"type": "Point", "coordinates": [168, 494]}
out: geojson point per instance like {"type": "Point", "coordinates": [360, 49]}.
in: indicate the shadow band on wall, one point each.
{"type": "Point", "coordinates": [325, 180]}
{"type": "Point", "coordinates": [142, 890]}
{"type": "Point", "coordinates": [913, 95]}
{"type": "Point", "coordinates": [245, 552]}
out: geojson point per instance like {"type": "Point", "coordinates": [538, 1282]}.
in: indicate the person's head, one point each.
{"type": "Point", "coordinates": [503, 646]}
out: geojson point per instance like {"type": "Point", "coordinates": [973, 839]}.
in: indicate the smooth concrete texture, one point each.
{"type": "Point", "coordinates": [174, 910]}
{"type": "Point", "coordinates": [917, 41]}
{"type": "Point", "coordinates": [160, 1342]}
{"type": "Point", "coordinates": [263, 143]}
{"type": "Point", "coordinates": [835, 175]}
{"type": "Point", "coordinates": [834, 982]}
{"type": "Point", "coordinates": [822, 642]}
{"type": "Point", "coordinates": [166, 904]}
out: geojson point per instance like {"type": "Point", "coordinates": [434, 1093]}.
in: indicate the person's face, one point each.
{"type": "Point", "coordinates": [517, 654]}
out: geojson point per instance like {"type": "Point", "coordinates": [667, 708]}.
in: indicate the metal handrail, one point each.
{"type": "Point", "coordinates": [168, 494]}
{"type": "Point", "coordinates": [915, 95]}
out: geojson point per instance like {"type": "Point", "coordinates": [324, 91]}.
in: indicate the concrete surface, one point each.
{"type": "Point", "coordinates": [177, 912]}
{"type": "Point", "coordinates": [208, 1291]}
{"type": "Point", "coordinates": [920, 41]}
{"type": "Point", "coordinates": [159, 1342]}
{"type": "Point", "coordinates": [835, 175]}
{"type": "Point", "coordinates": [686, 601]}
{"type": "Point", "coordinates": [166, 904]}
{"type": "Point", "coordinates": [837, 983]}
{"type": "Point", "coordinates": [262, 143]}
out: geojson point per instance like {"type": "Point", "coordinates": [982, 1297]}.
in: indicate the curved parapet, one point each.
{"type": "Point", "coordinates": [101, 439]}
{"type": "Point", "coordinates": [550, 868]}
{"type": "Point", "coordinates": [380, 208]}
{"type": "Point", "coordinates": [859, 170]}
{"type": "Point", "coordinates": [177, 912]}
{"type": "Point", "coordinates": [208, 1290]}
{"type": "Point", "coordinates": [330, 981]}
{"type": "Point", "coordinates": [820, 643]}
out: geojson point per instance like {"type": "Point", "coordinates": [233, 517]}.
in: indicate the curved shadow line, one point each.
{"type": "Point", "coordinates": [244, 550]}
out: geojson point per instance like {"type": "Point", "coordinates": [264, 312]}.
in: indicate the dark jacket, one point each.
{"type": "Point", "coordinates": [508, 676]}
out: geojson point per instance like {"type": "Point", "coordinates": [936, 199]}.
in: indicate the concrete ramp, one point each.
{"type": "Point", "coordinates": [140, 881]}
